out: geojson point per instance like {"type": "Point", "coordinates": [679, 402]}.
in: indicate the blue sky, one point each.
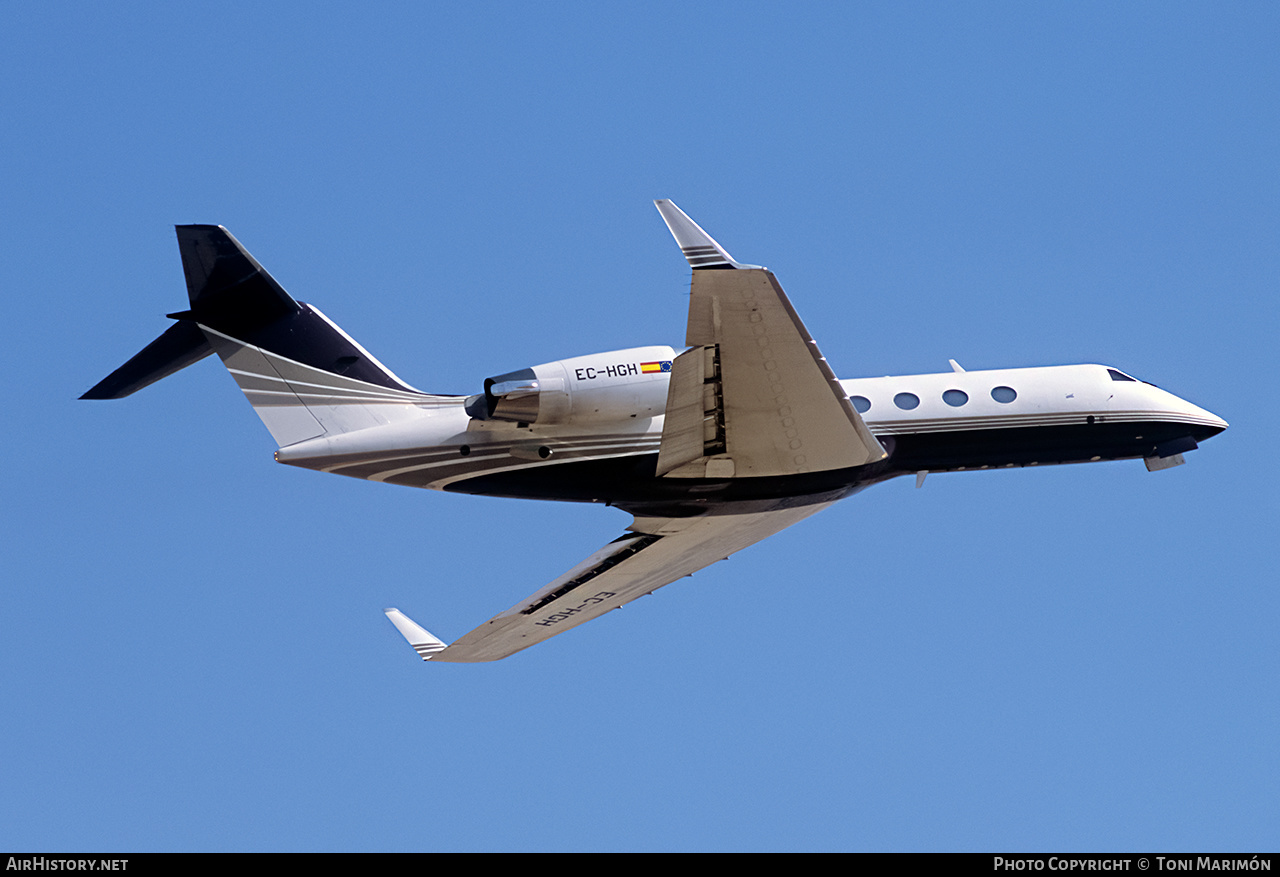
{"type": "Point", "coordinates": [1082, 657]}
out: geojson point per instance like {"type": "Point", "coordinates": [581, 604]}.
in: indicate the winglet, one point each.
{"type": "Point", "coordinates": [698, 247]}
{"type": "Point", "coordinates": [423, 643]}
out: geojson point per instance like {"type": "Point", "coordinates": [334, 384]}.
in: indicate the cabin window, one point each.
{"type": "Point", "coordinates": [1120, 376]}
{"type": "Point", "coordinates": [861, 404]}
{"type": "Point", "coordinates": [955, 398]}
{"type": "Point", "coordinates": [906, 401]}
{"type": "Point", "coordinates": [1004, 394]}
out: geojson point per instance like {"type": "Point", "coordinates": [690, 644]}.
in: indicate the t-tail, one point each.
{"type": "Point", "coordinates": [303, 375]}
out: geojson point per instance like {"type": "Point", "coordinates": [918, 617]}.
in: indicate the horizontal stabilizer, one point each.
{"type": "Point", "coordinates": [181, 345]}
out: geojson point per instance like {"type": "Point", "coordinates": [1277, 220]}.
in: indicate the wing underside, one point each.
{"type": "Point", "coordinates": [655, 552]}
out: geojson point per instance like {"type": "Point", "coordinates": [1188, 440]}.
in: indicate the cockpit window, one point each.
{"type": "Point", "coordinates": [1120, 376]}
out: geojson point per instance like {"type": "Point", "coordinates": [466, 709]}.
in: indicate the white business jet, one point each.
{"type": "Point", "coordinates": [712, 449]}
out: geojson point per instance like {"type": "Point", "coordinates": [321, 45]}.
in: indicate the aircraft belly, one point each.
{"type": "Point", "coordinates": [1036, 445]}
{"type": "Point", "coordinates": [620, 470]}
{"type": "Point", "coordinates": [630, 483]}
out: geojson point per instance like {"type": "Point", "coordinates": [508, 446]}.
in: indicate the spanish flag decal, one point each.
{"type": "Point", "coordinates": [649, 368]}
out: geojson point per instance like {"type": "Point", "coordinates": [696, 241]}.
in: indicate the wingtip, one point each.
{"type": "Point", "coordinates": [424, 643]}
{"type": "Point", "coordinates": [699, 248]}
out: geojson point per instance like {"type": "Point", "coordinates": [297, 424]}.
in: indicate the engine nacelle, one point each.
{"type": "Point", "coordinates": [601, 387]}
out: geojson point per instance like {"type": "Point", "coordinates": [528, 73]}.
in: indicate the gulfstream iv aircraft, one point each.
{"type": "Point", "coordinates": [710, 449]}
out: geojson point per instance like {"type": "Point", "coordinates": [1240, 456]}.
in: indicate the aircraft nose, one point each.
{"type": "Point", "coordinates": [1205, 423]}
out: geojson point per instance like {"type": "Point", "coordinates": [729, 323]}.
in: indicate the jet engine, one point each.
{"type": "Point", "coordinates": [599, 388]}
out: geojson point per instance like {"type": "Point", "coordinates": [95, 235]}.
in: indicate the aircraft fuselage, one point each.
{"type": "Point", "coordinates": [945, 422]}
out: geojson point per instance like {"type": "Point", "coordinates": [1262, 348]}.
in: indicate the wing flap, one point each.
{"type": "Point", "coordinates": [693, 427]}
{"type": "Point", "coordinates": [657, 552]}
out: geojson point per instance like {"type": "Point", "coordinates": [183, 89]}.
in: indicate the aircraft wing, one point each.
{"type": "Point", "coordinates": [655, 552]}
{"type": "Point", "coordinates": [753, 396]}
